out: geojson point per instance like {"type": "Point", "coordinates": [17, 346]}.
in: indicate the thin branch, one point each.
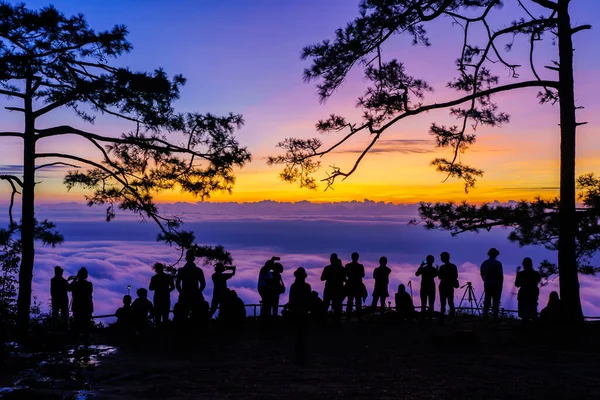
{"type": "Point", "coordinates": [157, 218]}
{"type": "Point", "coordinates": [56, 163]}
{"type": "Point", "coordinates": [580, 28]}
{"type": "Point", "coordinates": [12, 180]}
{"type": "Point", "coordinates": [12, 94]}
{"type": "Point", "coordinates": [547, 4]}
{"type": "Point", "coordinates": [11, 134]}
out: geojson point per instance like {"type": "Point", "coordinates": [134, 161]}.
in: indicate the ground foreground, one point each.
{"type": "Point", "coordinates": [360, 361]}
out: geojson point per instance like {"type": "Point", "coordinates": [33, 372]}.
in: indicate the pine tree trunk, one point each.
{"type": "Point", "coordinates": [567, 259]}
{"type": "Point", "coordinates": [27, 221]}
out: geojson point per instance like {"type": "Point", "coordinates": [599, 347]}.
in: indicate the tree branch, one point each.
{"type": "Point", "coordinates": [56, 163]}
{"type": "Point", "coordinates": [11, 134]}
{"type": "Point", "coordinates": [547, 4]}
{"type": "Point", "coordinates": [12, 180]}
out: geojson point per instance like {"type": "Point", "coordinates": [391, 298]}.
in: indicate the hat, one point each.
{"type": "Point", "coordinates": [493, 252]}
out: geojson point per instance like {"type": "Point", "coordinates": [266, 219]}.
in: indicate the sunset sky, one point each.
{"type": "Point", "coordinates": [245, 57]}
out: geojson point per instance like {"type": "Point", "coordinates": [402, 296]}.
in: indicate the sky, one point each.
{"type": "Point", "coordinates": [244, 57]}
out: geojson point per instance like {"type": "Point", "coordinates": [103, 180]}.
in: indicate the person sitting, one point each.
{"type": "Point", "coordinates": [404, 304]}
{"type": "Point", "coordinates": [124, 316]}
{"type": "Point", "coordinates": [553, 313]}
{"type": "Point", "coordinates": [318, 311]}
{"type": "Point", "coordinates": [233, 312]}
{"type": "Point", "coordinates": [527, 281]}
{"type": "Point", "coordinates": [142, 310]}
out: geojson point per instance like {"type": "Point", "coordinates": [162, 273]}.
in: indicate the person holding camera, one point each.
{"type": "Point", "coordinates": [265, 287]}
{"type": "Point", "coordinates": [448, 275]}
{"type": "Point", "coordinates": [428, 273]}
{"type": "Point", "coordinates": [83, 305]}
{"type": "Point", "coordinates": [220, 278]}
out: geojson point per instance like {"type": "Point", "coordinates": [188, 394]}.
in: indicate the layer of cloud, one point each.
{"type": "Point", "coordinates": [120, 254]}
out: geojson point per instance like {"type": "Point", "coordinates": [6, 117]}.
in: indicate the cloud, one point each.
{"type": "Point", "coordinates": [403, 146]}
{"type": "Point", "coordinates": [122, 254]}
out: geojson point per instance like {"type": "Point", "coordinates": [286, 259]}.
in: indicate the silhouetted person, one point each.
{"type": "Point", "coordinates": [162, 285]}
{"type": "Point", "coordinates": [220, 278]}
{"type": "Point", "coordinates": [142, 310]}
{"type": "Point", "coordinates": [553, 314]}
{"type": "Point", "coordinates": [83, 305]}
{"type": "Point", "coordinates": [124, 314]}
{"type": "Point", "coordinates": [277, 287]}
{"type": "Point", "coordinates": [427, 272]}
{"type": "Point", "coordinates": [265, 288]}
{"type": "Point", "coordinates": [190, 284]}
{"type": "Point", "coordinates": [334, 277]}
{"type": "Point", "coordinates": [59, 288]}
{"type": "Point", "coordinates": [233, 312]}
{"type": "Point", "coordinates": [318, 310]}
{"type": "Point", "coordinates": [404, 304]}
{"type": "Point", "coordinates": [448, 274]}
{"type": "Point", "coordinates": [355, 272]}
{"type": "Point", "coordinates": [381, 275]}
{"type": "Point", "coordinates": [299, 306]}
{"type": "Point", "coordinates": [527, 281]}
{"type": "Point", "coordinates": [493, 278]}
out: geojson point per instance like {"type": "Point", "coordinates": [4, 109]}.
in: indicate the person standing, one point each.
{"type": "Point", "coordinates": [381, 275]}
{"type": "Point", "coordinates": [334, 277]}
{"type": "Point", "coordinates": [448, 275]}
{"type": "Point", "coordinates": [190, 284]}
{"type": "Point", "coordinates": [83, 305]}
{"type": "Point", "coordinates": [300, 305]}
{"type": "Point", "coordinates": [427, 272]}
{"type": "Point", "coordinates": [278, 287]}
{"type": "Point", "coordinates": [162, 285]}
{"type": "Point", "coordinates": [265, 286]}
{"type": "Point", "coordinates": [355, 272]}
{"type": "Point", "coordinates": [220, 290]}
{"type": "Point", "coordinates": [59, 288]}
{"type": "Point", "coordinates": [527, 281]}
{"type": "Point", "coordinates": [493, 278]}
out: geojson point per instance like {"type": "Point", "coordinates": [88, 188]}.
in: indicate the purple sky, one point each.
{"type": "Point", "coordinates": [243, 56]}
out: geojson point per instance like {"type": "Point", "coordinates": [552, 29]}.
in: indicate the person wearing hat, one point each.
{"type": "Point", "coordinates": [219, 279]}
{"type": "Point", "coordinates": [493, 278]}
{"type": "Point", "coordinates": [60, 300]}
{"type": "Point", "coordinates": [299, 306]}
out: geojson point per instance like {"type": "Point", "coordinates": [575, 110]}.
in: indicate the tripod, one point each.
{"type": "Point", "coordinates": [471, 298]}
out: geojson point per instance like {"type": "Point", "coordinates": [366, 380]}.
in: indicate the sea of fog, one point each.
{"type": "Point", "coordinates": [121, 253]}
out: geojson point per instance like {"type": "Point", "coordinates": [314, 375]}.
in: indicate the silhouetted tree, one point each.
{"type": "Point", "coordinates": [393, 95]}
{"type": "Point", "coordinates": [49, 61]}
{"type": "Point", "coordinates": [531, 223]}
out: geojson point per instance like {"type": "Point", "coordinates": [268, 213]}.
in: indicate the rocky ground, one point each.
{"type": "Point", "coordinates": [361, 360]}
